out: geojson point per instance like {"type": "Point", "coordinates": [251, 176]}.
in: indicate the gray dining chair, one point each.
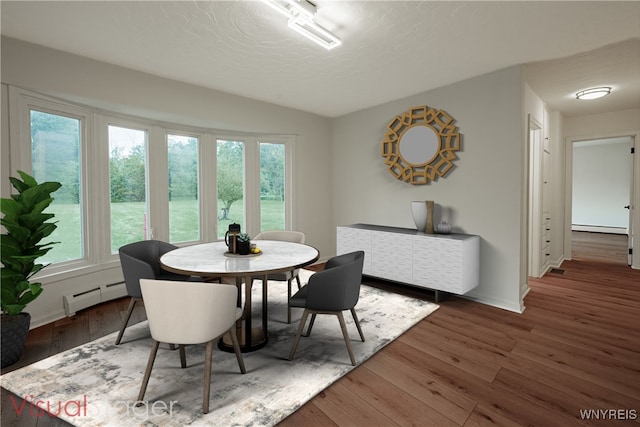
{"type": "Point", "coordinates": [141, 260]}
{"type": "Point", "coordinates": [288, 276]}
{"type": "Point", "coordinates": [331, 291]}
{"type": "Point", "coordinates": [187, 313]}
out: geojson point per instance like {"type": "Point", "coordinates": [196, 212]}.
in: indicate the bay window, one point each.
{"type": "Point", "coordinates": [126, 179]}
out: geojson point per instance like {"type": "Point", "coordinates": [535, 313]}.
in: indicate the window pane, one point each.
{"type": "Point", "coordinates": [272, 198]}
{"type": "Point", "coordinates": [127, 160]}
{"type": "Point", "coordinates": [55, 154]}
{"type": "Point", "coordinates": [184, 216]}
{"type": "Point", "coordinates": [230, 157]}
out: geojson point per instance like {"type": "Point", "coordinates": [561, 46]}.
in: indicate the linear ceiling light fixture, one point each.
{"type": "Point", "coordinates": [593, 93]}
{"type": "Point", "coordinates": [301, 16]}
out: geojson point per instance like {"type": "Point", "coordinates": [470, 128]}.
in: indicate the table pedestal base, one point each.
{"type": "Point", "coordinates": [256, 342]}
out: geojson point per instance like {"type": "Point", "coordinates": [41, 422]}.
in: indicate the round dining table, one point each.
{"type": "Point", "coordinates": [212, 261]}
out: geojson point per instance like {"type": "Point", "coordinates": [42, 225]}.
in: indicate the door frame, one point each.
{"type": "Point", "coordinates": [634, 202]}
{"type": "Point", "coordinates": [534, 198]}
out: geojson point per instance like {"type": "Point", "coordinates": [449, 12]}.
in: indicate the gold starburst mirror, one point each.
{"type": "Point", "coordinates": [420, 145]}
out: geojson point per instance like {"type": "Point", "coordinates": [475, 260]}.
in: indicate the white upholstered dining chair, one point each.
{"type": "Point", "coordinates": [186, 313]}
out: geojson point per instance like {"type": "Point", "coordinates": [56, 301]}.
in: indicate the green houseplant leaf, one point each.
{"type": "Point", "coordinates": [25, 225]}
{"type": "Point", "coordinates": [243, 237]}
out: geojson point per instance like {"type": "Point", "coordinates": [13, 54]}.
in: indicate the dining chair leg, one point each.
{"type": "Point", "coordinates": [343, 326]}
{"type": "Point", "coordinates": [147, 372]}
{"type": "Point", "coordinates": [236, 349]}
{"type": "Point", "coordinates": [132, 304]}
{"type": "Point", "coordinates": [183, 356]}
{"type": "Point", "coordinates": [208, 355]}
{"type": "Point", "coordinates": [311, 322]}
{"type": "Point", "coordinates": [355, 319]}
{"type": "Point", "coordinates": [303, 320]}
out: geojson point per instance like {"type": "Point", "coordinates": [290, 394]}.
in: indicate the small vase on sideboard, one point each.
{"type": "Point", "coordinates": [443, 228]}
{"type": "Point", "coordinates": [423, 215]}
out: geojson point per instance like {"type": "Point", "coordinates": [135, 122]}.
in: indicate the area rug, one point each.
{"type": "Point", "coordinates": [97, 384]}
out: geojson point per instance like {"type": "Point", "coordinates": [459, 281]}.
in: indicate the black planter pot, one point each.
{"type": "Point", "coordinates": [14, 335]}
{"type": "Point", "coordinates": [244, 248]}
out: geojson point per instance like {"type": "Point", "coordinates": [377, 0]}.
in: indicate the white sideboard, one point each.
{"type": "Point", "coordinates": [444, 263]}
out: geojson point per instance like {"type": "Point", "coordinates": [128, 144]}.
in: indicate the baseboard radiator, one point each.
{"type": "Point", "coordinates": [76, 302]}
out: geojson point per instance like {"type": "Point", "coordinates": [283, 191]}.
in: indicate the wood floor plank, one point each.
{"type": "Point", "coordinates": [103, 322]}
{"type": "Point", "coordinates": [344, 407]}
{"type": "Point", "coordinates": [553, 400]}
{"type": "Point", "coordinates": [485, 417]}
{"type": "Point", "coordinates": [585, 394]}
{"type": "Point", "coordinates": [614, 374]}
{"type": "Point", "coordinates": [421, 385]}
{"type": "Point", "coordinates": [70, 332]}
{"type": "Point", "coordinates": [611, 310]}
{"type": "Point", "coordinates": [490, 316]}
{"type": "Point", "coordinates": [583, 339]}
{"type": "Point", "coordinates": [456, 350]}
{"type": "Point", "coordinates": [625, 337]}
{"type": "Point", "coordinates": [402, 407]}
{"type": "Point", "coordinates": [506, 402]}
{"type": "Point", "coordinates": [460, 324]}
{"type": "Point", "coordinates": [309, 415]}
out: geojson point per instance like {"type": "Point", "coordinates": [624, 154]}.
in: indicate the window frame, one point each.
{"type": "Point", "coordinates": [21, 159]}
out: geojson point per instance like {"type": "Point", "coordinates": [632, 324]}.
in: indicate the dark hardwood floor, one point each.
{"type": "Point", "coordinates": [575, 350]}
{"type": "Point", "coordinates": [599, 247]}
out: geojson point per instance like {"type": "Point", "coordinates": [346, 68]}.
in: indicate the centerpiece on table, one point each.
{"type": "Point", "coordinates": [244, 244]}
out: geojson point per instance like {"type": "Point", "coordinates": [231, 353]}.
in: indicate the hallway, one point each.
{"type": "Point", "coordinates": [600, 247]}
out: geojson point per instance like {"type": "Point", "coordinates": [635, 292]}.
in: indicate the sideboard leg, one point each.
{"type": "Point", "coordinates": [441, 296]}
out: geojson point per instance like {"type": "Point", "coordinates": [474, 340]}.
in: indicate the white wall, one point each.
{"type": "Point", "coordinates": [601, 181]}
{"type": "Point", "coordinates": [594, 126]}
{"type": "Point", "coordinates": [125, 91]}
{"type": "Point", "coordinates": [481, 195]}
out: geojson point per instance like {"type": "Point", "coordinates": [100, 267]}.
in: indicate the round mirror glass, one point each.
{"type": "Point", "coordinates": [419, 144]}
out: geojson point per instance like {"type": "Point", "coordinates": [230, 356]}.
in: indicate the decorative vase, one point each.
{"type": "Point", "coordinates": [14, 335]}
{"type": "Point", "coordinates": [443, 228]}
{"type": "Point", "coordinates": [423, 215]}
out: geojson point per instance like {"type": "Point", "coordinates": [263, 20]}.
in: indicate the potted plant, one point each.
{"type": "Point", "coordinates": [25, 225]}
{"type": "Point", "coordinates": [244, 244]}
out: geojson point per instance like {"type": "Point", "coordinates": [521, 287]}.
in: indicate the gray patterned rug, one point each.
{"type": "Point", "coordinates": [97, 384]}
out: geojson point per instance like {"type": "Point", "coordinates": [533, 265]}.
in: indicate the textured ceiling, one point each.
{"type": "Point", "coordinates": [390, 50]}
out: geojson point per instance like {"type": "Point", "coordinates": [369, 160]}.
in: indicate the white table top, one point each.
{"type": "Point", "coordinates": [210, 259]}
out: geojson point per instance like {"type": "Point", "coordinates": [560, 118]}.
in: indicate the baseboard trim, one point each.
{"type": "Point", "coordinates": [505, 305]}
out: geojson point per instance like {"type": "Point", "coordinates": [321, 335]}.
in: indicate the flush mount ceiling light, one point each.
{"type": "Point", "coordinates": [593, 93]}
{"type": "Point", "coordinates": [301, 16]}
